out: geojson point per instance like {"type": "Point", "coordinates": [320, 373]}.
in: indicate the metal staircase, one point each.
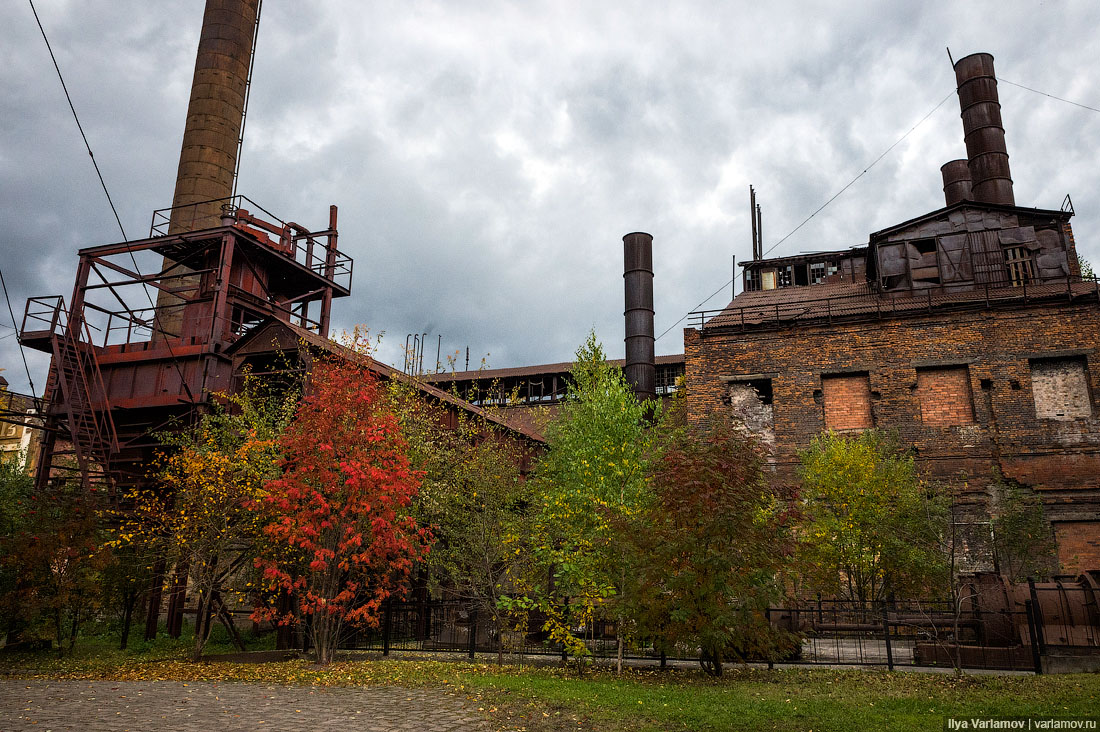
{"type": "Point", "coordinates": [77, 406]}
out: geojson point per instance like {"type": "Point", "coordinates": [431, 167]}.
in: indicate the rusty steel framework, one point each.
{"type": "Point", "coordinates": [122, 371]}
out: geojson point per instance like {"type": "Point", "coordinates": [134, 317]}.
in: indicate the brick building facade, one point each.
{"type": "Point", "coordinates": [968, 330]}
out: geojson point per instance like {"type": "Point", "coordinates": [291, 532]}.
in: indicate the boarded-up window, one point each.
{"type": "Point", "coordinates": [1060, 387]}
{"type": "Point", "coordinates": [945, 396]}
{"type": "Point", "coordinates": [1078, 545]}
{"type": "Point", "coordinates": [847, 401]}
{"type": "Point", "coordinates": [1021, 269]}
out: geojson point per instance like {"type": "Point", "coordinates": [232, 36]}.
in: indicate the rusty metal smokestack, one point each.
{"type": "Point", "coordinates": [956, 182]}
{"type": "Point", "coordinates": [640, 370]}
{"type": "Point", "coordinates": [208, 157]}
{"type": "Point", "coordinates": [983, 131]}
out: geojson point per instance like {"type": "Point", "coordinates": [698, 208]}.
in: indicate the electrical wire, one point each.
{"type": "Point", "coordinates": [819, 209]}
{"type": "Point", "coordinates": [1067, 101]}
{"type": "Point", "coordinates": [853, 180]}
{"type": "Point", "coordinates": [125, 238]}
{"type": "Point", "coordinates": [78, 125]}
{"type": "Point", "coordinates": [11, 312]}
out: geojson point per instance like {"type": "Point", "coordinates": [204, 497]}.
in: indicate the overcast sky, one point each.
{"type": "Point", "coordinates": [487, 157]}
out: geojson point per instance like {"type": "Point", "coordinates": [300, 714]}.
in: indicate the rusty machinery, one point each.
{"type": "Point", "coordinates": [995, 623]}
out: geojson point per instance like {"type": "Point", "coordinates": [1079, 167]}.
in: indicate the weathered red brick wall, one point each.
{"type": "Point", "coordinates": [990, 355]}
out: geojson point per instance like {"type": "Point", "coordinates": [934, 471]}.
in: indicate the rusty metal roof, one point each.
{"type": "Point", "coordinates": [845, 300]}
{"type": "Point", "coordinates": [383, 370]}
{"type": "Point", "coordinates": [543, 369]}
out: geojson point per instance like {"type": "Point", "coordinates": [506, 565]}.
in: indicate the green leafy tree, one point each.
{"type": "Point", "coordinates": [1086, 268]}
{"type": "Point", "coordinates": [15, 502]}
{"type": "Point", "coordinates": [872, 528]}
{"type": "Point", "coordinates": [591, 481]}
{"type": "Point", "coordinates": [472, 493]}
{"type": "Point", "coordinates": [711, 546]}
{"type": "Point", "coordinates": [1022, 540]}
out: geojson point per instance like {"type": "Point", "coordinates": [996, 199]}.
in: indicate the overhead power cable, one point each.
{"type": "Point", "coordinates": [1067, 101]}
{"type": "Point", "coordinates": [862, 173]}
{"type": "Point", "coordinates": [820, 208]}
{"type": "Point", "coordinates": [77, 118]}
{"type": "Point", "coordinates": [21, 351]}
{"type": "Point", "coordinates": [125, 238]}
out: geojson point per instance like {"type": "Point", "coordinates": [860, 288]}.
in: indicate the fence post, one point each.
{"type": "Point", "coordinates": [473, 632]}
{"type": "Point", "coordinates": [886, 633]}
{"type": "Point", "coordinates": [771, 655]}
{"type": "Point", "coordinates": [1033, 634]}
{"type": "Point", "coordinates": [387, 610]}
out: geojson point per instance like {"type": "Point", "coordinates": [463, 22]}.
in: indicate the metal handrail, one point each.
{"type": "Point", "coordinates": [875, 303]}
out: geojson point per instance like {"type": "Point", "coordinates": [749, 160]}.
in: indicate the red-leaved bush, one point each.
{"type": "Point", "coordinates": [339, 536]}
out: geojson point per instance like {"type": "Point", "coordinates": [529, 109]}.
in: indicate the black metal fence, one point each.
{"type": "Point", "coordinates": [892, 635]}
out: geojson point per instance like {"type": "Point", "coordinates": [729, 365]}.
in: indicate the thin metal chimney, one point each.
{"type": "Point", "coordinates": [983, 131]}
{"type": "Point", "coordinates": [640, 370]}
{"type": "Point", "coordinates": [957, 185]}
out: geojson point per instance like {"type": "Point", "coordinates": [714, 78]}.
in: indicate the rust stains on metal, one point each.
{"type": "Point", "coordinates": [957, 185]}
{"type": "Point", "coordinates": [984, 133]}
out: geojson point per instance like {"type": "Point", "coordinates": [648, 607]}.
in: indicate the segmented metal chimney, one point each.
{"type": "Point", "coordinates": [983, 131]}
{"type": "Point", "coordinates": [957, 185]}
{"type": "Point", "coordinates": [640, 369]}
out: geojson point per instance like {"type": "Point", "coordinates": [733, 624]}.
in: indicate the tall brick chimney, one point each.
{"type": "Point", "coordinates": [208, 157]}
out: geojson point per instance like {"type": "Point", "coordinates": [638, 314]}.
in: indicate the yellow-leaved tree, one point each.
{"type": "Point", "coordinates": [202, 514]}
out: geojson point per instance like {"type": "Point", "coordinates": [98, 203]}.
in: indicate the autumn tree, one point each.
{"type": "Point", "coordinates": [51, 560]}
{"type": "Point", "coordinates": [591, 481]}
{"type": "Point", "coordinates": [711, 545]}
{"type": "Point", "coordinates": [472, 495]}
{"type": "Point", "coordinates": [15, 497]}
{"type": "Point", "coordinates": [202, 513]}
{"type": "Point", "coordinates": [872, 527]}
{"type": "Point", "coordinates": [341, 539]}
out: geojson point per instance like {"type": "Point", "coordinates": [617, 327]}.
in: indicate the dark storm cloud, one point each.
{"type": "Point", "coordinates": [488, 157]}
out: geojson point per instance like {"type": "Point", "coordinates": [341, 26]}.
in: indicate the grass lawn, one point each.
{"type": "Point", "coordinates": [551, 698]}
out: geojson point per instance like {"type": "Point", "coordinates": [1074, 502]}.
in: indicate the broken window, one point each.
{"type": "Point", "coordinates": [847, 400]}
{"type": "Point", "coordinates": [784, 276]}
{"type": "Point", "coordinates": [752, 280]}
{"type": "Point", "coordinates": [924, 267]}
{"type": "Point", "coordinates": [1060, 388]}
{"type": "Point", "coordinates": [801, 275]}
{"type": "Point", "coordinates": [667, 378]}
{"type": "Point", "coordinates": [1021, 267]}
{"type": "Point", "coordinates": [817, 273]}
{"type": "Point", "coordinates": [750, 403]}
{"type": "Point", "coordinates": [945, 396]}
